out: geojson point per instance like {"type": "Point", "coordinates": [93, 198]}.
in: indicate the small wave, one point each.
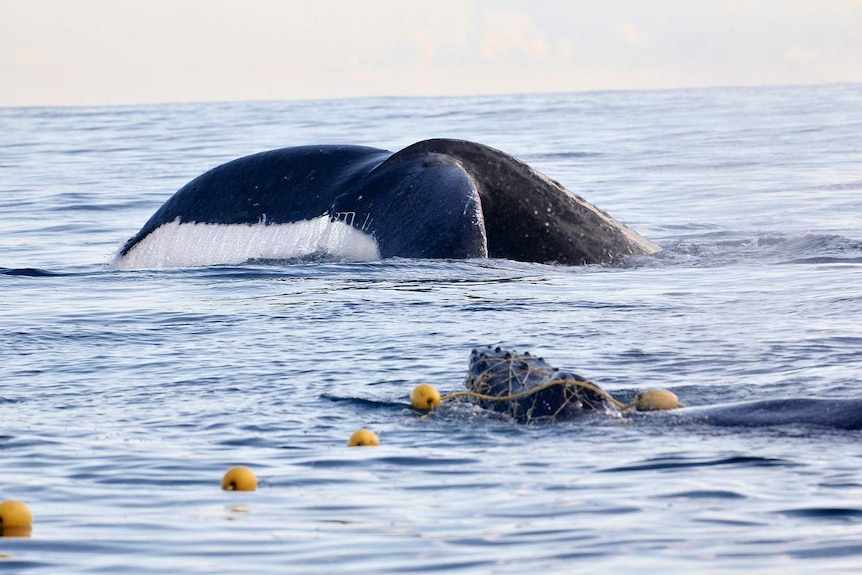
{"type": "Point", "coordinates": [364, 402]}
{"type": "Point", "coordinates": [561, 156]}
{"type": "Point", "coordinates": [671, 463]}
{"type": "Point", "coordinates": [28, 272]}
{"type": "Point", "coordinates": [827, 552]}
{"type": "Point", "coordinates": [721, 248]}
{"type": "Point", "coordinates": [316, 257]}
{"type": "Point", "coordinates": [826, 513]}
{"type": "Point", "coordinates": [704, 494]}
{"type": "Point", "coordinates": [827, 260]}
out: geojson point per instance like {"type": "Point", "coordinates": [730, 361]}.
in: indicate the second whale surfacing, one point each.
{"type": "Point", "coordinates": [438, 198]}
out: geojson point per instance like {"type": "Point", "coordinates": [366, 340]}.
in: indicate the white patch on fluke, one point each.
{"type": "Point", "coordinates": [193, 244]}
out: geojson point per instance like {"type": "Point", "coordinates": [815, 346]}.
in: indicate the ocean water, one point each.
{"type": "Point", "coordinates": [125, 395]}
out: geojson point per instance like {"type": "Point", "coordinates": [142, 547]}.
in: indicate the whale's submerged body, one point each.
{"type": "Point", "coordinates": [500, 373]}
{"type": "Point", "coordinates": [434, 199]}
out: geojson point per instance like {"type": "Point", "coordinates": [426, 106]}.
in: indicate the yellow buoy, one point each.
{"type": "Point", "coordinates": [16, 519]}
{"type": "Point", "coordinates": [656, 400]}
{"type": "Point", "coordinates": [239, 478]}
{"type": "Point", "coordinates": [363, 438]}
{"type": "Point", "coordinates": [425, 396]}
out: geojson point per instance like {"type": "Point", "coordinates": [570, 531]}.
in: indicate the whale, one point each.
{"type": "Point", "coordinates": [509, 376]}
{"type": "Point", "coordinates": [439, 198]}
{"type": "Point", "coordinates": [501, 373]}
{"type": "Point", "coordinates": [843, 413]}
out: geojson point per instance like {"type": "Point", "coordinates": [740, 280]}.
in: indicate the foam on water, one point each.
{"type": "Point", "coordinates": [178, 244]}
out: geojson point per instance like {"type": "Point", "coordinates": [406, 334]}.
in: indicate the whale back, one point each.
{"type": "Point", "coordinates": [530, 217]}
{"type": "Point", "coordinates": [435, 199]}
{"type": "Point", "coordinates": [835, 413]}
{"type": "Point", "coordinates": [421, 206]}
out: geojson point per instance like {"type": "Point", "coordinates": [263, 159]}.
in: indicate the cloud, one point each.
{"type": "Point", "coordinates": [509, 34]}
{"type": "Point", "coordinates": [426, 45]}
{"type": "Point", "coordinates": [631, 34]}
{"type": "Point", "coordinates": [802, 55]}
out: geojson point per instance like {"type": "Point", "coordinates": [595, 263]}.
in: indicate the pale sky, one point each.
{"type": "Point", "coordinates": [92, 52]}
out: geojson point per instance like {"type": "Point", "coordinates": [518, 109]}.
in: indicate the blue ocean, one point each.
{"type": "Point", "coordinates": [126, 394]}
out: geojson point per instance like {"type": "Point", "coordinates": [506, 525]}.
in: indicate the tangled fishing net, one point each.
{"type": "Point", "coordinates": [531, 390]}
